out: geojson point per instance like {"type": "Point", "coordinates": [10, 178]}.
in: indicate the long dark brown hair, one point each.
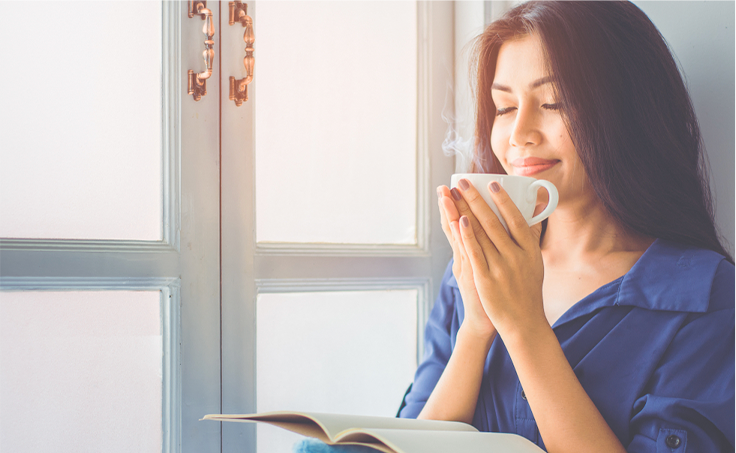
{"type": "Point", "coordinates": [626, 109]}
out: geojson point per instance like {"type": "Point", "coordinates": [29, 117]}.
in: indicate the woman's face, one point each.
{"type": "Point", "coordinates": [529, 137]}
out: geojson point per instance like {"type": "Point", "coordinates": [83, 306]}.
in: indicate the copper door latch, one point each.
{"type": "Point", "coordinates": [239, 88]}
{"type": "Point", "coordinates": [197, 85]}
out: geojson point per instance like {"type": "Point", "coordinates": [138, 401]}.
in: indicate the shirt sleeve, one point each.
{"type": "Point", "coordinates": [689, 402]}
{"type": "Point", "coordinates": [438, 343]}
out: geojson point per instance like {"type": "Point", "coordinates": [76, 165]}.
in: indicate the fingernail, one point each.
{"type": "Point", "coordinates": [495, 187]}
{"type": "Point", "coordinates": [439, 193]}
{"type": "Point", "coordinates": [464, 221]}
{"type": "Point", "coordinates": [455, 194]}
{"type": "Point", "coordinates": [464, 184]}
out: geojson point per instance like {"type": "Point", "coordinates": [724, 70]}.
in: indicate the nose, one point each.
{"type": "Point", "coordinates": [526, 130]}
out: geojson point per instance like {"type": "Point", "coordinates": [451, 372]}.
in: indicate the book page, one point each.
{"type": "Point", "coordinates": [328, 426]}
{"type": "Point", "coordinates": [410, 441]}
{"type": "Point", "coordinates": [335, 424]}
{"type": "Point", "coordinates": [289, 421]}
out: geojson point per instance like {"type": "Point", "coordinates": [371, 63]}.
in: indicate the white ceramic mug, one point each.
{"type": "Point", "coordinates": [521, 189]}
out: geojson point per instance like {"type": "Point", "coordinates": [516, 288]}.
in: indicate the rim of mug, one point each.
{"type": "Point", "coordinates": [463, 175]}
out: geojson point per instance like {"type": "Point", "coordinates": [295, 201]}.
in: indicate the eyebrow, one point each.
{"type": "Point", "coordinates": [537, 83]}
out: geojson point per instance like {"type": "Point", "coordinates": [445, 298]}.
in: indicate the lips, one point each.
{"type": "Point", "coordinates": [527, 166]}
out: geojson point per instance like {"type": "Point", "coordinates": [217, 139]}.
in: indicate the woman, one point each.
{"type": "Point", "coordinates": [610, 328]}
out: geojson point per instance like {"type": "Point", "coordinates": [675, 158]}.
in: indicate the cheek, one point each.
{"type": "Point", "coordinates": [576, 175]}
{"type": "Point", "coordinates": [497, 141]}
{"type": "Point", "coordinates": [556, 128]}
{"type": "Point", "coordinates": [563, 142]}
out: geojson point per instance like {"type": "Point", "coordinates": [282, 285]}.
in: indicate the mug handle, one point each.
{"type": "Point", "coordinates": [553, 199]}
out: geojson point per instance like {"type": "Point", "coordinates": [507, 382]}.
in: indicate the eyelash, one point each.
{"type": "Point", "coordinates": [556, 106]}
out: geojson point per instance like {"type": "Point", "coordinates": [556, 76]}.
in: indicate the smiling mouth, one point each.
{"type": "Point", "coordinates": [532, 165]}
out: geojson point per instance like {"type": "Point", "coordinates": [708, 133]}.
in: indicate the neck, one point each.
{"type": "Point", "coordinates": [586, 231]}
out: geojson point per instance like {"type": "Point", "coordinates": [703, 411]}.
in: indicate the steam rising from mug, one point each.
{"type": "Point", "coordinates": [454, 145]}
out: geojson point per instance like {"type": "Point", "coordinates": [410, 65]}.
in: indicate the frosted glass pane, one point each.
{"type": "Point", "coordinates": [81, 126]}
{"type": "Point", "coordinates": [335, 124]}
{"type": "Point", "coordinates": [80, 371]}
{"type": "Point", "coordinates": [343, 352]}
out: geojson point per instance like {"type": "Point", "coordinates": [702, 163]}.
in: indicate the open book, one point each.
{"type": "Point", "coordinates": [389, 435]}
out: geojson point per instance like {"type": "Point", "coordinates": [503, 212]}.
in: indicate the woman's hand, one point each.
{"type": "Point", "coordinates": [507, 267]}
{"type": "Point", "coordinates": [508, 273]}
{"type": "Point", "coordinates": [456, 393]}
{"type": "Point", "coordinates": [476, 321]}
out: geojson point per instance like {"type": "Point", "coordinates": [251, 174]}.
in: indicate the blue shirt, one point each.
{"type": "Point", "coordinates": [653, 349]}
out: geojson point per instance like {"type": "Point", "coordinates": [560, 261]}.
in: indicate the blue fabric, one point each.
{"type": "Point", "coordinates": [653, 349]}
{"type": "Point", "coordinates": [317, 446]}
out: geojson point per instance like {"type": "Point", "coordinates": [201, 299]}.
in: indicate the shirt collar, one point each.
{"type": "Point", "coordinates": [670, 277]}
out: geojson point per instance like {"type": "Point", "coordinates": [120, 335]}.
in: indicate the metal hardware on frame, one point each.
{"type": "Point", "coordinates": [197, 85]}
{"type": "Point", "coordinates": [239, 88]}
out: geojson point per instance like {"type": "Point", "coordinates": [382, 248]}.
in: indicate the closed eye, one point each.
{"type": "Point", "coordinates": [555, 106]}
{"type": "Point", "coordinates": [500, 112]}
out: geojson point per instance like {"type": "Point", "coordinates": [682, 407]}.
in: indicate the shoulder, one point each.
{"type": "Point", "coordinates": [680, 278]}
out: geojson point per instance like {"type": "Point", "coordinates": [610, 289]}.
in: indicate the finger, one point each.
{"type": "Point", "coordinates": [537, 232]}
{"type": "Point", "coordinates": [461, 257]}
{"type": "Point", "coordinates": [462, 209]}
{"type": "Point", "coordinates": [448, 204]}
{"type": "Point", "coordinates": [486, 217]}
{"type": "Point", "coordinates": [450, 209]}
{"type": "Point", "coordinates": [462, 253]}
{"type": "Point", "coordinates": [445, 222]}
{"type": "Point", "coordinates": [448, 214]}
{"type": "Point", "coordinates": [455, 244]}
{"type": "Point", "coordinates": [518, 226]}
{"type": "Point", "coordinates": [480, 234]}
{"type": "Point", "coordinates": [473, 250]}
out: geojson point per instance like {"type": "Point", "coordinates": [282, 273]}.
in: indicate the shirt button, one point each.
{"type": "Point", "coordinates": [523, 396]}
{"type": "Point", "coordinates": [672, 441]}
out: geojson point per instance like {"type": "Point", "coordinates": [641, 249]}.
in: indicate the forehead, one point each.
{"type": "Point", "coordinates": [520, 62]}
